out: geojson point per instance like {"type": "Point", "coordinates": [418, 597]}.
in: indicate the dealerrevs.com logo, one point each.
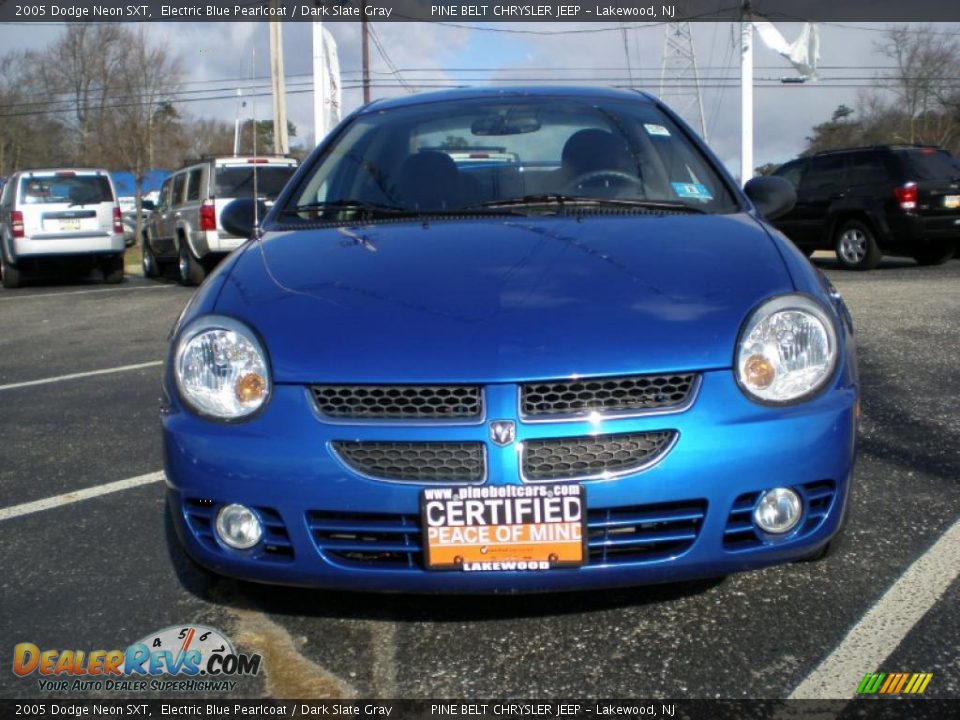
{"type": "Point", "coordinates": [203, 657]}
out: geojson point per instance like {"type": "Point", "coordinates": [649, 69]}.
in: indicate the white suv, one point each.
{"type": "Point", "coordinates": [57, 215]}
{"type": "Point", "coordinates": [185, 226]}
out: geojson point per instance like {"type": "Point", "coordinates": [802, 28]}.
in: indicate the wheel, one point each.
{"type": "Point", "coordinates": [12, 276]}
{"type": "Point", "coordinates": [191, 272]}
{"type": "Point", "coordinates": [856, 246]}
{"type": "Point", "coordinates": [148, 261]}
{"type": "Point", "coordinates": [112, 268]}
{"type": "Point", "coordinates": [934, 254]}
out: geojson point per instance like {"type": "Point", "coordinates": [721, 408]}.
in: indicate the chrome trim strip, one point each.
{"type": "Point", "coordinates": [408, 483]}
{"type": "Point", "coordinates": [610, 415]}
{"type": "Point", "coordinates": [647, 464]}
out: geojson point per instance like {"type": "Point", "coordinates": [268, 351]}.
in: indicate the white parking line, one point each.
{"type": "Point", "coordinates": [78, 495]}
{"type": "Point", "coordinates": [75, 376]}
{"type": "Point", "coordinates": [886, 624]}
{"type": "Point", "coordinates": [8, 297]}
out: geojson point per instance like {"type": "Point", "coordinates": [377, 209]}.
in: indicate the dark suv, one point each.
{"type": "Point", "coordinates": [867, 202]}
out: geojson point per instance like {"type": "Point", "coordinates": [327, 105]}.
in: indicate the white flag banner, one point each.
{"type": "Point", "coordinates": [803, 53]}
{"type": "Point", "coordinates": [334, 92]}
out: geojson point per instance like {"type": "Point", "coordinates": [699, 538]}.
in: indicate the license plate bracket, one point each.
{"type": "Point", "coordinates": [504, 528]}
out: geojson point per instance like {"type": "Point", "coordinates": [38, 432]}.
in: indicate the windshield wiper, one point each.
{"type": "Point", "coordinates": [366, 209]}
{"type": "Point", "coordinates": [561, 200]}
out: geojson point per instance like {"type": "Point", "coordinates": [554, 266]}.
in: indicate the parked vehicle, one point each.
{"type": "Point", "coordinates": [63, 216]}
{"type": "Point", "coordinates": [185, 227]}
{"type": "Point", "coordinates": [864, 203]}
{"type": "Point", "coordinates": [592, 363]}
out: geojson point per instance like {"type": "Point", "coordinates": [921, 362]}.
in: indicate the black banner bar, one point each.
{"type": "Point", "coordinates": [868, 709]}
{"type": "Point", "coordinates": [472, 12]}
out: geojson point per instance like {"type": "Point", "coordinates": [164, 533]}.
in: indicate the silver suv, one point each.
{"type": "Point", "coordinates": [49, 216]}
{"type": "Point", "coordinates": [185, 226]}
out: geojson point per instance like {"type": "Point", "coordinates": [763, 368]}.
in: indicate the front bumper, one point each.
{"type": "Point", "coordinates": [729, 449]}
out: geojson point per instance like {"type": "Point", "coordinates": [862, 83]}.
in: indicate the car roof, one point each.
{"type": "Point", "coordinates": [544, 91]}
{"type": "Point", "coordinates": [866, 148]}
{"type": "Point", "coordinates": [54, 171]}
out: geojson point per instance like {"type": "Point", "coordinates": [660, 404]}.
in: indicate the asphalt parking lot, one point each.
{"type": "Point", "coordinates": [98, 572]}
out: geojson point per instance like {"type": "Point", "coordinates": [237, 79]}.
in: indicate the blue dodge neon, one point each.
{"type": "Point", "coordinates": [505, 341]}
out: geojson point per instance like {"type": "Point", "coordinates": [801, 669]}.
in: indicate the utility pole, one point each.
{"type": "Point", "coordinates": [679, 77]}
{"type": "Point", "coordinates": [746, 94]}
{"type": "Point", "coordinates": [365, 44]}
{"type": "Point", "coordinates": [281, 145]}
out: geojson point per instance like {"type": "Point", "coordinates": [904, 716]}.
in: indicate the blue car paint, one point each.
{"type": "Point", "coordinates": [497, 301]}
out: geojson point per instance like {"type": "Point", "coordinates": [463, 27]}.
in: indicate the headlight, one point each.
{"type": "Point", "coordinates": [787, 350]}
{"type": "Point", "coordinates": [221, 368]}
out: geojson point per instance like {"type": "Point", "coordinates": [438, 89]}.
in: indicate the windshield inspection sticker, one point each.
{"type": "Point", "coordinates": [653, 129]}
{"type": "Point", "coordinates": [691, 190]}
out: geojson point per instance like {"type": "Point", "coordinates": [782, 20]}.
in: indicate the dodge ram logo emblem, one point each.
{"type": "Point", "coordinates": [503, 432]}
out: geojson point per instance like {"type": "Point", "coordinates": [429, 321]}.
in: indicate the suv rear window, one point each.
{"type": "Point", "coordinates": [75, 190]}
{"type": "Point", "coordinates": [237, 181]}
{"type": "Point", "coordinates": [930, 164]}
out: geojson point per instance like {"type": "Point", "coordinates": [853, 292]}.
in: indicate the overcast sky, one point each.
{"type": "Point", "coordinates": [219, 57]}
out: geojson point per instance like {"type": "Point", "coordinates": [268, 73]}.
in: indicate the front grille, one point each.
{"type": "Point", "coordinates": [643, 533]}
{"type": "Point", "coordinates": [384, 540]}
{"type": "Point", "coordinates": [741, 534]}
{"type": "Point", "coordinates": [276, 546]}
{"type": "Point", "coordinates": [606, 395]}
{"type": "Point", "coordinates": [596, 456]}
{"type": "Point", "coordinates": [640, 533]}
{"type": "Point", "coordinates": [454, 462]}
{"type": "Point", "coordinates": [399, 402]}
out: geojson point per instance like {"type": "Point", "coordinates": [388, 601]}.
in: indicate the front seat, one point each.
{"type": "Point", "coordinates": [428, 180]}
{"type": "Point", "coordinates": [593, 149]}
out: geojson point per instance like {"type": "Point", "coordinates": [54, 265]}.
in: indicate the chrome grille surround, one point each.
{"type": "Point", "coordinates": [623, 396]}
{"type": "Point", "coordinates": [593, 457]}
{"type": "Point", "coordinates": [418, 462]}
{"type": "Point", "coordinates": [347, 403]}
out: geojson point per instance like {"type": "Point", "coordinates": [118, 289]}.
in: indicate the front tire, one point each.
{"type": "Point", "coordinates": [934, 254]}
{"type": "Point", "coordinates": [148, 261]}
{"type": "Point", "coordinates": [856, 246]}
{"type": "Point", "coordinates": [190, 271]}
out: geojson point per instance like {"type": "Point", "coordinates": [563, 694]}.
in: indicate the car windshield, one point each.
{"type": "Point", "coordinates": [459, 156]}
{"type": "Point", "coordinates": [70, 189]}
{"type": "Point", "coordinates": [237, 180]}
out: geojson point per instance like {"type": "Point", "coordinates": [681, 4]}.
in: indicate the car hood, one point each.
{"type": "Point", "coordinates": [504, 299]}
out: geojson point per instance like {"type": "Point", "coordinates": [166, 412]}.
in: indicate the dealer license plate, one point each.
{"type": "Point", "coordinates": [951, 201]}
{"type": "Point", "coordinates": [68, 225]}
{"type": "Point", "coordinates": [504, 527]}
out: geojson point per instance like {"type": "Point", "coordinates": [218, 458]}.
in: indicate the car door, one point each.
{"type": "Point", "coordinates": [157, 225]}
{"type": "Point", "coordinates": [823, 184]}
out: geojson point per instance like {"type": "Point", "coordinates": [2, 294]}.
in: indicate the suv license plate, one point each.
{"type": "Point", "coordinates": [504, 527]}
{"type": "Point", "coordinates": [951, 201]}
{"type": "Point", "coordinates": [67, 225]}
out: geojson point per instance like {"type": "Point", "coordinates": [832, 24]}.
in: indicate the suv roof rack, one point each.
{"type": "Point", "coordinates": [880, 146]}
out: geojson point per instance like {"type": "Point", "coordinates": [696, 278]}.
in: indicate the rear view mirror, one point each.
{"type": "Point", "coordinates": [508, 123]}
{"type": "Point", "coordinates": [773, 196]}
{"type": "Point", "coordinates": [240, 216]}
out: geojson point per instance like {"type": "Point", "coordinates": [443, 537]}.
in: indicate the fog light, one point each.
{"type": "Point", "coordinates": [238, 527]}
{"type": "Point", "coordinates": [778, 511]}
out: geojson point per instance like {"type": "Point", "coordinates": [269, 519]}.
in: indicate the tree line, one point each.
{"type": "Point", "coordinates": [106, 95]}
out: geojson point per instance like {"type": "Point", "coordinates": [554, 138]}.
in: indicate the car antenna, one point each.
{"type": "Point", "coordinates": [253, 111]}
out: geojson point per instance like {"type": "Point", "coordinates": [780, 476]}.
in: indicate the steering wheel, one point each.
{"type": "Point", "coordinates": [587, 178]}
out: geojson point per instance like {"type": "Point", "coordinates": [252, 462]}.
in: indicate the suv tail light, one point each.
{"type": "Point", "coordinates": [16, 223]}
{"type": "Point", "coordinates": [907, 196]}
{"type": "Point", "coordinates": [208, 215]}
{"type": "Point", "coordinates": [117, 218]}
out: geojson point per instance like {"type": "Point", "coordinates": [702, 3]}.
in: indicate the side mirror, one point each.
{"type": "Point", "coordinates": [773, 196]}
{"type": "Point", "coordinates": [239, 216]}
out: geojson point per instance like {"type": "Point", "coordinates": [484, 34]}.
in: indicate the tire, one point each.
{"type": "Point", "coordinates": [856, 246]}
{"type": "Point", "coordinates": [189, 269]}
{"type": "Point", "coordinates": [934, 254]}
{"type": "Point", "coordinates": [12, 276]}
{"type": "Point", "coordinates": [148, 261]}
{"type": "Point", "coordinates": [112, 269]}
